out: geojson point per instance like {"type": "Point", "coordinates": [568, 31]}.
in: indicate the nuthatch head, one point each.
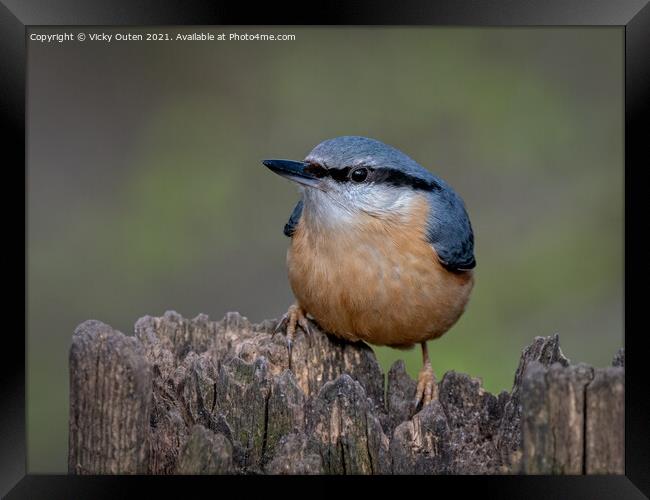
{"type": "Point", "coordinates": [382, 249]}
{"type": "Point", "coordinates": [345, 177]}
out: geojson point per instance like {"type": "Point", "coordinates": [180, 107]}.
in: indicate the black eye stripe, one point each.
{"type": "Point", "coordinates": [379, 175]}
{"type": "Point", "coordinates": [339, 174]}
{"type": "Point", "coordinates": [398, 178]}
{"type": "Point", "coordinates": [316, 170]}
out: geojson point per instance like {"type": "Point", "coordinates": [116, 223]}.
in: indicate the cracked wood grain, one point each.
{"type": "Point", "coordinates": [194, 396]}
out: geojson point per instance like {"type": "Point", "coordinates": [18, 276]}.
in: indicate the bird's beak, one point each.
{"type": "Point", "coordinates": [296, 171]}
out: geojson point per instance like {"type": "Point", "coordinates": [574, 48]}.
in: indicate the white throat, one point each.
{"type": "Point", "coordinates": [340, 210]}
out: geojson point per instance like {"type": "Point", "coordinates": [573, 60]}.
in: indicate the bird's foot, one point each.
{"type": "Point", "coordinates": [294, 317]}
{"type": "Point", "coordinates": [427, 389]}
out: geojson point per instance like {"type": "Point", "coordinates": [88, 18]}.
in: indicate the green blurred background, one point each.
{"type": "Point", "coordinates": [146, 191]}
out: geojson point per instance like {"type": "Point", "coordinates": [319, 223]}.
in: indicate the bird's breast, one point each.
{"type": "Point", "coordinates": [378, 281]}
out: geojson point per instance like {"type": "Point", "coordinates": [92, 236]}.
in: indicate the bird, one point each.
{"type": "Point", "coordinates": [381, 251]}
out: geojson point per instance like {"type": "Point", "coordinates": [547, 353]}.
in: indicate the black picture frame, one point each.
{"type": "Point", "coordinates": [634, 15]}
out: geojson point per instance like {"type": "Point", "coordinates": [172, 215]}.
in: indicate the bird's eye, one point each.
{"type": "Point", "coordinates": [359, 174]}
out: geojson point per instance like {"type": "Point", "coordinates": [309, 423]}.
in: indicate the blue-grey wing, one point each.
{"type": "Point", "coordinates": [450, 232]}
{"type": "Point", "coordinates": [290, 226]}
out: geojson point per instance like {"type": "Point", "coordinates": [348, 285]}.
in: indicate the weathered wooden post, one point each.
{"type": "Point", "coordinates": [573, 420]}
{"type": "Point", "coordinates": [110, 402]}
{"type": "Point", "coordinates": [217, 397]}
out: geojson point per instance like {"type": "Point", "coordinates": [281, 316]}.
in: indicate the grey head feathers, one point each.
{"type": "Point", "coordinates": [449, 229]}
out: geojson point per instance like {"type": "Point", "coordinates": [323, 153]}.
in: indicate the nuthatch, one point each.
{"type": "Point", "coordinates": [381, 249]}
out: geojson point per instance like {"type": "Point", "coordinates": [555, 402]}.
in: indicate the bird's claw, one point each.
{"type": "Point", "coordinates": [282, 324]}
{"type": "Point", "coordinates": [294, 317]}
{"type": "Point", "coordinates": [304, 324]}
{"type": "Point", "coordinates": [427, 389]}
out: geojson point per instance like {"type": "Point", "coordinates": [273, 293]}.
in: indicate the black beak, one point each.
{"type": "Point", "coordinates": [296, 171]}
